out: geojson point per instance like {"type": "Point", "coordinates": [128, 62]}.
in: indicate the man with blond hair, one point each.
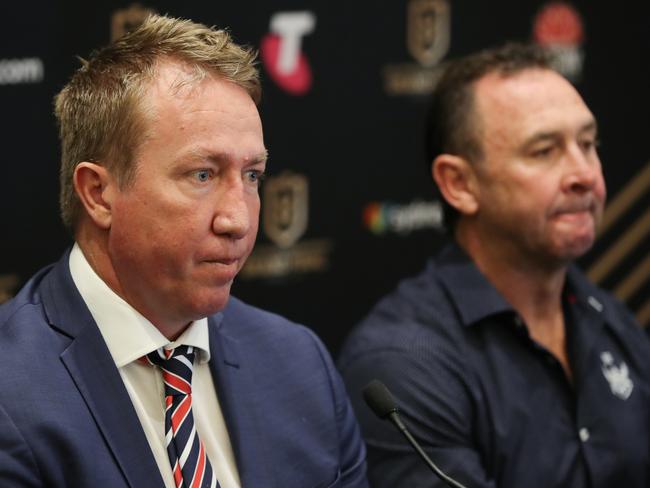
{"type": "Point", "coordinates": [127, 363]}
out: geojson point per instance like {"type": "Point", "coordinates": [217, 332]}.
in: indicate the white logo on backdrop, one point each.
{"type": "Point", "coordinates": [291, 27]}
{"type": "Point", "coordinates": [21, 71]}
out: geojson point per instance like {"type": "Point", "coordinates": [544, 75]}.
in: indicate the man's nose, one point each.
{"type": "Point", "coordinates": [583, 170]}
{"type": "Point", "coordinates": [232, 216]}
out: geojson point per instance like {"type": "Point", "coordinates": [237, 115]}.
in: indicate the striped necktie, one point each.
{"type": "Point", "coordinates": [186, 452]}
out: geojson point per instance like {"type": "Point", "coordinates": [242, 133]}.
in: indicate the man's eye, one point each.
{"type": "Point", "coordinates": [543, 152]}
{"type": "Point", "coordinates": [589, 144]}
{"type": "Point", "coordinates": [254, 176]}
{"type": "Point", "coordinates": [202, 175]}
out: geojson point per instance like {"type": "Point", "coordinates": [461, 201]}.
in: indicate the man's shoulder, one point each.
{"type": "Point", "coordinates": [239, 310]}
{"type": "Point", "coordinates": [26, 305]}
{"type": "Point", "coordinates": [614, 311]}
{"type": "Point", "coordinates": [417, 316]}
{"type": "Point", "coordinates": [31, 342]}
{"type": "Point", "coordinates": [419, 299]}
{"type": "Point", "coordinates": [247, 319]}
{"type": "Point", "coordinates": [298, 385]}
{"type": "Point", "coordinates": [602, 313]}
{"type": "Point", "coordinates": [267, 332]}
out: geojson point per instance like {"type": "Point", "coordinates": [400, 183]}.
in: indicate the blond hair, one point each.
{"type": "Point", "coordinates": [100, 111]}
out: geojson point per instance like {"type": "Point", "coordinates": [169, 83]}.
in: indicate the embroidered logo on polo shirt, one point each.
{"type": "Point", "coordinates": [618, 377]}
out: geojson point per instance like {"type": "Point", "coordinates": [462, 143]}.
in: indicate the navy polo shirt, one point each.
{"type": "Point", "coordinates": [492, 407]}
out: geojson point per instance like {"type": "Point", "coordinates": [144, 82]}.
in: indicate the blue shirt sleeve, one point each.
{"type": "Point", "coordinates": [431, 391]}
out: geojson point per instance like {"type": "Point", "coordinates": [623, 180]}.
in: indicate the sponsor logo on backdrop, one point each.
{"type": "Point", "coordinates": [281, 51]}
{"type": "Point", "coordinates": [8, 283]}
{"type": "Point", "coordinates": [558, 27]}
{"type": "Point", "coordinates": [286, 200]}
{"type": "Point", "coordinates": [428, 33]}
{"type": "Point", "coordinates": [127, 19]}
{"type": "Point", "coordinates": [21, 71]}
{"type": "Point", "coordinates": [285, 217]}
{"type": "Point", "coordinates": [382, 218]}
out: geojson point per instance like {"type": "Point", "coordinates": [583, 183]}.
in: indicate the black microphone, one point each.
{"type": "Point", "coordinates": [380, 400]}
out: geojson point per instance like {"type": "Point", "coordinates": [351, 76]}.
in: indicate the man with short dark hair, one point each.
{"type": "Point", "coordinates": [509, 367]}
{"type": "Point", "coordinates": [128, 364]}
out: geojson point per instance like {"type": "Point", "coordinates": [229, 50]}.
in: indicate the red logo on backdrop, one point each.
{"type": "Point", "coordinates": [559, 28]}
{"type": "Point", "coordinates": [281, 52]}
{"type": "Point", "coordinates": [558, 23]}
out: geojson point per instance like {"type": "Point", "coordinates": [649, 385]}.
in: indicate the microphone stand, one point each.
{"type": "Point", "coordinates": [395, 419]}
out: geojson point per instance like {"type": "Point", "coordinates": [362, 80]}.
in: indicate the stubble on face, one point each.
{"type": "Point", "coordinates": [541, 190]}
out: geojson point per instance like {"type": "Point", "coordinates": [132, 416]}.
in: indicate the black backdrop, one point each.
{"type": "Point", "coordinates": [348, 207]}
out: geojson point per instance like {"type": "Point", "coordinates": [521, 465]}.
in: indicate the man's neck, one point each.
{"type": "Point", "coordinates": [534, 290]}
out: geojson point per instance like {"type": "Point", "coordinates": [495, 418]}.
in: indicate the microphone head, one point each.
{"type": "Point", "coordinates": [379, 399]}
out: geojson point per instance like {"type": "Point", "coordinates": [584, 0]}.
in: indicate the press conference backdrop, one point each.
{"type": "Point", "coordinates": [348, 208]}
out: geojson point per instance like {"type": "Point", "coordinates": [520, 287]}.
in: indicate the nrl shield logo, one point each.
{"type": "Point", "coordinates": [127, 19]}
{"type": "Point", "coordinates": [285, 208]}
{"type": "Point", "coordinates": [428, 28]}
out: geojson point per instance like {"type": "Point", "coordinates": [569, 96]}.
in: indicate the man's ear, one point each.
{"type": "Point", "coordinates": [95, 187]}
{"type": "Point", "coordinates": [456, 180]}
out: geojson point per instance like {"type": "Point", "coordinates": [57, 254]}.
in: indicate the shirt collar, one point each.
{"type": "Point", "coordinates": [472, 294]}
{"type": "Point", "coordinates": [587, 299]}
{"type": "Point", "coordinates": [475, 298]}
{"type": "Point", "coordinates": [127, 333]}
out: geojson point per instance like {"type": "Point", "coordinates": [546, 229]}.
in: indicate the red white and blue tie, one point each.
{"type": "Point", "coordinates": [187, 455]}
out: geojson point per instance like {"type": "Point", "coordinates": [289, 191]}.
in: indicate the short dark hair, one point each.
{"type": "Point", "coordinates": [451, 121]}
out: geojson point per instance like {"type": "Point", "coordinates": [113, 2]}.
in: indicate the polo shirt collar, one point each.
{"type": "Point", "coordinates": [475, 298]}
{"type": "Point", "coordinates": [472, 294]}
{"type": "Point", "coordinates": [585, 297]}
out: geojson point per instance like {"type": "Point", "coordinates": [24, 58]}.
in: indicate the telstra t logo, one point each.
{"type": "Point", "coordinates": [281, 54]}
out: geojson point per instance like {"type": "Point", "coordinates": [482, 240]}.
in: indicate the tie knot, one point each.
{"type": "Point", "coordinates": [176, 365]}
{"type": "Point", "coordinates": [161, 356]}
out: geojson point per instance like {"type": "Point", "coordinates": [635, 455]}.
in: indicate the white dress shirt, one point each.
{"type": "Point", "coordinates": [129, 336]}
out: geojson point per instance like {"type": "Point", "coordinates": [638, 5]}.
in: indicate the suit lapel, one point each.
{"type": "Point", "coordinates": [240, 406]}
{"type": "Point", "coordinates": [93, 371]}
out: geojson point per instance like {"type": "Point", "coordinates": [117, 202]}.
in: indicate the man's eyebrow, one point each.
{"type": "Point", "coordinates": [541, 137]}
{"type": "Point", "coordinates": [220, 158]}
{"type": "Point", "coordinates": [261, 157]}
{"type": "Point", "coordinates": [590, 126]}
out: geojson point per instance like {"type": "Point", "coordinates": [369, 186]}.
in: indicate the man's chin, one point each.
{"type": "Point", "coordinates": [210, 304]}
{"type": "Point", "coordinates": [575, 248]}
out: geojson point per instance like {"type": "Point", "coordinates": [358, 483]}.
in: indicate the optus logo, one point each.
{"type": "Point", "coordinates": [381, 218]}
{"type": "Point", "coordinates": [374, 218]}
{"type": "Point", "coordinates": [281, 51]}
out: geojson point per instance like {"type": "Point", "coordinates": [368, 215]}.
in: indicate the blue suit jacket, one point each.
{"type": "Point", "coordinates": [66, 419]}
